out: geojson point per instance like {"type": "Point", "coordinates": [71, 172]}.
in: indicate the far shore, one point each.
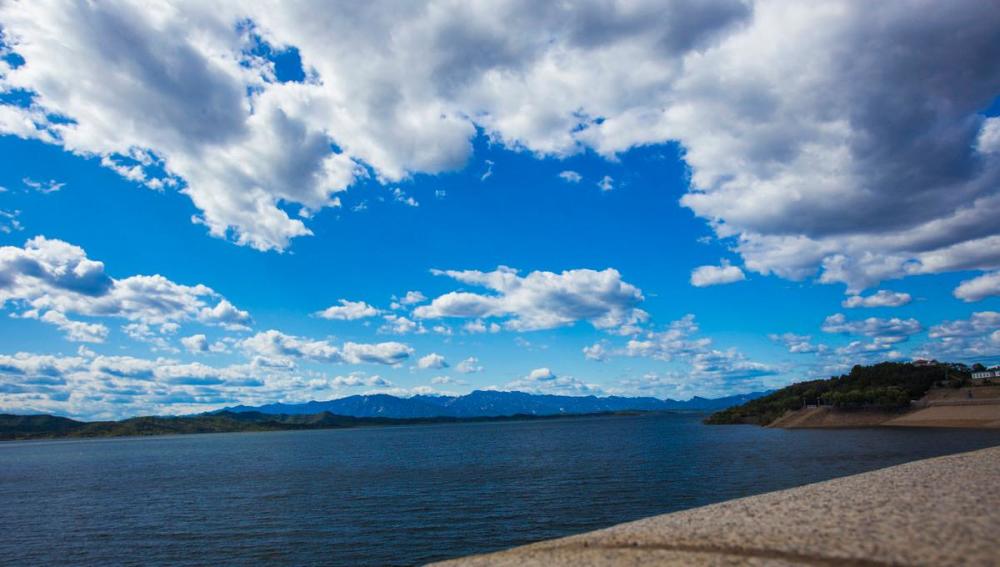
{"type": "Point", "coordinates": [47, 427]}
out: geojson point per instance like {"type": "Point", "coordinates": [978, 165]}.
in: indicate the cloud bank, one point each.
{"type": "Point", "coordinates": [825, 141]}
{"type": "Point", "coordinates": [50, 280]}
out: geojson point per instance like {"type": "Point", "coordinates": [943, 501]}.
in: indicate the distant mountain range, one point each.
{"type": "Point", "coordinates": [489, 403]}
{"type": "Point", "coordinates": [357, 411]}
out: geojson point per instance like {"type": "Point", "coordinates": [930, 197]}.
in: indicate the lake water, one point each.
{"type": "Point", "coordinates": [403, 495]}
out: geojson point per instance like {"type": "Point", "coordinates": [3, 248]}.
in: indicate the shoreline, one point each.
{"type": "Point", "coordinates": [273, 424]}
{"type": "Point", "coordinates": [810, 418]}
{"type": "Point", "coordinates": [928, 512]}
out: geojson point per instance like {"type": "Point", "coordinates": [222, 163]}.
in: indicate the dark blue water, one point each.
{"type": "Point", "coordinates": [403, 495]}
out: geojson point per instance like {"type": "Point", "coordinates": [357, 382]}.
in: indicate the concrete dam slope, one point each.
{"type": "Point", "coordinates": [977, 408]}
{"type": "Point", "coordinates": [941, 511]}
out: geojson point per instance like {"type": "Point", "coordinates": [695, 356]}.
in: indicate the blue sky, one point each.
{"type": "Point", "coordinates": [671, 237]}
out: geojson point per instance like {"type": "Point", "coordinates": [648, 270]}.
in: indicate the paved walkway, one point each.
{"type": "Point", "coordinates": [943, 511]}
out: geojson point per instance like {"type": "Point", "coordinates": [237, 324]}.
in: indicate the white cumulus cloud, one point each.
{"type": "Point", "coordinates": [50, 279]}
{"type": "Point", "coordinates": [798, 344]}
{"type": "Point", "coordinates": [544, 381]}
{"type": "Point", "coordinates": [703, 276]}
{"type": "Point", "coordinates": [432, 360]}
{"type": "Point", "coordinates": [976, 289]}
{"type": "Point", "coordinates": [273, 343]}
{"type": "Point", "coordinates": [541, 300]}
{"type": "Point", "coordinates": [607, 183]}
{"type": "Point", "coordinates": [195, 343]}
{"type": "Point", "coordinates": [881, 298]}
{"type": "Point", "coordinates": [469, 366]}
{"type": "Point", "coordinates": [348, 311]}
{"type": "Point", "coordinates": [570, 176]}
{"type": "Point", "coordinates": [872, 326]}
{"type": "Point", "coordinates": [975, 337]}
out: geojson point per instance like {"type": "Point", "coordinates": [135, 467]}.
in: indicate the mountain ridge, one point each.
{"type": "Point", "coordinates": [489, 403]}
{"type": "Point", "coordinates": [358, 411]}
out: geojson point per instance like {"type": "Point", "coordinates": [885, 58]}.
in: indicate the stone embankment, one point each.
{"type": "Point", "coordinates": [977, 407]}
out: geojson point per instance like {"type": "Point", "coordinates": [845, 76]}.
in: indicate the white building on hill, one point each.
{"type": "Point", "coordinates": [986, 374]}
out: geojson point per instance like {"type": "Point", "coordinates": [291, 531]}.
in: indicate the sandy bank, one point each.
{"type": "Point", "coordinates": [931, 512]}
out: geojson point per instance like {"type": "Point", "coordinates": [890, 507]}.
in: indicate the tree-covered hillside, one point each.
{"type": "Point", "coordinates": [888, 385]}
